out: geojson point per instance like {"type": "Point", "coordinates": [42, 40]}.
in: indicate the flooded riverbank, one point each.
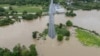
{"type": "Point", "coordinates": [22, 33]}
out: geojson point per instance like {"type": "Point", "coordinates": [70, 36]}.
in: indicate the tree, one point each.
{"type": "Point", "coordinates": [2, 9]}
{"type": "Point", "coordinates": [39, 14]}
{"type": "Point", "coordinates": [25, 52]}
{"type": "Point", "coordinates": [70, 13]}
{"type": "Point", "coordinates": [60, 37]}
{"type": "Point", "coordinates": [6, 21]}
{"type": "Point", "coordinates": [33, 50]}
{"type": "Point", "coordinates": [7, 52]}
{"type": "Point", "coordinates": [24, 12]}
{"type": "Point", "coordinates": [69, 23]}
{"type": "Point", "coordinates": [17, 50]}
{"type": "Point", "coordinates": [10, 8]}
{"type": "Point", "coordinates": [1, 51]}
{"type": "Point", "coordinates": [28, 16]}
{"type": "Point", "coordinates": [35, 34]}
{"type": "Point", "coordinates": [61, 25]}
{"type": "Point", "coordinates": [13, 12]}
{"type": "Point", "coordinates": [67, 33]}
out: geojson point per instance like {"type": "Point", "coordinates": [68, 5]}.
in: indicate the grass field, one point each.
{"type": "Point", "coordinates": [88, 38]}
{"type": "Point", "coordinates": [2, 5]}
{"type": "Point", "coordinates": [28, 8]}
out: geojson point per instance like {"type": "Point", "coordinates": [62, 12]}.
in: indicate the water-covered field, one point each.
{"type": "Point", "coordinates": [22, 33]}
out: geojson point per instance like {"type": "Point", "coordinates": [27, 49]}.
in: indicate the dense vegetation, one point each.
{"type": "Point", "coordinates": [61, 32]}
{"type": "Point", "coordinates": [69, 23]}
{"type": "Point", "coordinates": [24, 2]}
{"type": "Point", "coordinates": [10, 17]}
{"type": "Point", "coordinates": [84, 4]}
{"type": "Point", "coordinates": [76, 4]}
{"type": "Point", "coordinates": [70, 13]}
{"type": "Point", "coordinates": [29, 16]}
{"type": "Point", "coordinates": [6, 21]}
{"type": "Point", "coordinates": [2, 11]}
{"type": "Point", "coordinates": [87, 6]}
{"type": "Point", "coordinates": [34, 34]}
{"type": "Point", "coordinates": [60, 37]}
{"type": "Point", "coordinates": [19, 51]}
{"type": "Point", "coordinates": [88, 38]}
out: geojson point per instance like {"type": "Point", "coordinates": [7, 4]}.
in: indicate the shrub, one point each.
{"type": "Point", "coordinates": [70, 14]}
{"type": "Point", "coordinates": [29, 16]}
{"type": "Point", "coordinates": [10, 8]}
{"type": "Point", "coordinates": [67, 33]}
{"type": "Point", "coordinates": [2, 9]}
{"type": "Point", "coordinates": [19, 51]}
{"type": "Point", "coordinates": [87, 7]}
{"type": "Point", "coordinates": [62, 31]}
{"type": "Point", "coordinates": [33, 51]}
{"type": "Point", "coordinates": [13, 12]}
{"type": "Point", "coordinates": [61, 25]}
{"type": "Point", "coordinates": [24, 12]}
{"type": "Point", "coordinates": [7, 52]}
{"type": "Point", "coordinates": [60, 37]}
{"type": "Point", "coordinates": [25, 51]}
{"type": "Point", "coordinates": [39, 14]}
{"type": "Point", "coordinates": [34, 34]}
{"type": "Point", "coordinates": [45, 32]}
{"type": "Point", "coordinates": [7, 21]}
{"type": "Point", "coordinates": [2, 13]}
{"type": "Point", "coordinates": [1, 51]}
{"type": "Point", "coordinates": [69, 23]}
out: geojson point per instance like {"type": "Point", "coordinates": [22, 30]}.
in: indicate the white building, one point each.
{"type": "Point", "coordinates": [59, 8]}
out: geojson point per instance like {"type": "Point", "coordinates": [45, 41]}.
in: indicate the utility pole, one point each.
{"type": "Point", "coordinates": [51, 30]}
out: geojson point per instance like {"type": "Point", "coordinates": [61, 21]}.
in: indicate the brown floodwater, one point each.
{"type": "Point", "coordinates": [22, 33]}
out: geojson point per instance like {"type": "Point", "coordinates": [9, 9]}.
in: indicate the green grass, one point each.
{"type": "Point", "coordinates": [27, 8]}
{"type": "Point", "coordinates": [20, 9]}
{"type": "Point", "coordinates": [3, 5]}
{"type": "Point", "coordinates": [88, 38]}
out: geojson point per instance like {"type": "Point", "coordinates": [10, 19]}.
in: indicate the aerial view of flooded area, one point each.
{"type": "Point", "coordinates": [49, 28]}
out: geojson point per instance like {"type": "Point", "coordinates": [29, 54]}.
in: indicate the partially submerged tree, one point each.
{"type": "Point", "coordinates": [60, 37]}
{"type": "Point", "coordinates": [69, 23]}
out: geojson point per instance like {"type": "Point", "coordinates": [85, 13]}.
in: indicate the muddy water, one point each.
{"type": "Point", "coordinates": [22, 33]}
{"type": "Point", "coordinates": [88, 19]}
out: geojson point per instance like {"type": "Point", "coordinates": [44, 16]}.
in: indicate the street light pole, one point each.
{"type": "Point", "coordinates": [51, 30]}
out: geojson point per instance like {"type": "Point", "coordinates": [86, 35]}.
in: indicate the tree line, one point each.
{"type": "Point", "coordinates": [19, 51]}
{"type": "Point", "coordinates": [24, 2]}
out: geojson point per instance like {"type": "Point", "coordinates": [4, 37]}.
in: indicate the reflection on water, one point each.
{"type": "Point", "coordinates": [22, 33]}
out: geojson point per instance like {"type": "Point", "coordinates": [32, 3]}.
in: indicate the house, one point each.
{"type": "Point", "coordinates": [59, 8]}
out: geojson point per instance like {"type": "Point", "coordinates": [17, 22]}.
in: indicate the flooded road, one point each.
{"type": "Point", "coordinates": [22, 33]}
